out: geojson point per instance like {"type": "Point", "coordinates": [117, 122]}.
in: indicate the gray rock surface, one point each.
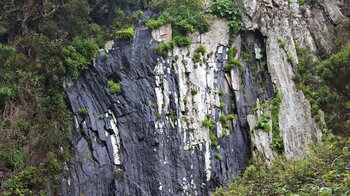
{"type": "Point", "coordinates": [138, 142]}
{"type": "Point", "coordinates": [149, 138]}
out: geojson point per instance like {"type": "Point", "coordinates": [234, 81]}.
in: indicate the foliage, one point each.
{"type": "Point", "coordinates": [335, 74]}
{"type": "Point", "coordinates": [41, 46]}
{"type": "Point", "coordinates": [222, 118]}
{"type": "Point", "coordinates": [277, 141]}
{"type": "Point", "coordinates": [154, 24]}
{"type": "Point", "coordinates": [182, 41]}
{"type": "Point", "coordinates": [231, 117]}
{"type": "Point", "coordinates": [227, 9]}
{"type": "Point", "coordinates": [185, 16]}
{"type": "Point", "coordinates": [208, 123]}
{"type": "Point", "coordinates": [281, 43]}
{"type": "Point", "coordinates": [325, 169]}
{"type": "Point", "coordinates": [163, 48]}
{"type": "Point", "coordinates": [79, 54]}
{"type": "Point", "coordinates": [213, 139]}
{"type": "Point", "coordinates": [201, 49]}
{"type": "Point", "coordinates": [125, 34]}
{"type": "Point", "coordinates": [114, 87]}
{"type": "Point", "coordinates": [263, 123]}
{"type": "Point", "coordinates": [290, 59]}
{"type": "Point", "coordinates": [194, 91]}
{"type": "Point", "coordinates": [222, 105]}
{"type": "Point", "coordinates": [232, 61]}
{"type": "Point", "coordinates": [196, 58]}
{"type": "Point", "coordinates": [83, 112]}
{"type": "Point", "coordinates": [328, 92]}
{"type": "Point", "coordinates": [221, 92]}
{"type": "Point", "coordinates": [217, 156]}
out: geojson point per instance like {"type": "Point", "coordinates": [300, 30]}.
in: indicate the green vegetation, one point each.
{"type": "Point", "coordinates": [194, 91]}
{"type": "Point", "coordinates": [43, 45]}
{"type": "Point", "coordinates": [277, 141]}
{"type": "Point", "coordinates": [290, 59]}
{"type": "Point", "coordinates": [125, 34]}
{"type": "Point", "coordinates": [182, 41]}
{"type": "Point", "coordinates": [83, 112]}
{"type": "Point", "coordinates": [211, 126]}
{"type": "Point", "coordinates": [232, 61]}
{"type": "Point", "coordinates": [163, 48]}
{"type": "Point", "coordinates": [281, 43]}
{"type": "Point", "coordinates": [302, 2]}
{"type": "Point", "coordinates": [114, 87]}
{"type": "Point", "coordinates": [213, 139]}
{"type": "Point", "coordinates": [196, 58]}
{"type": "Point", "coordinates": [224, 133]}
{"type": "Point", "coordinates": [221, 92]}
{"type": "Point", "coordinates": [328, 92]}
{"type": "Point", "coordinates": [208, 123]}
{"type": "Point", "coordinates": [323, 172]}
{"type": "Point", "coordinates": [263, 123]}
{"type": "Point", "coordinates": [231, 117]}
{"type": "Point", "coordinates": [184, 16]}
{"type": "Point", "coordinates": [227, 9]}
{"type": "Point", "coordinates": [201, 49]}
{"type": "Point", "coordinates": [217, 156]}
{"type": "Point", "coordinates": [222, 118]}
{"type": "Point", "coordinates": [222, 105]}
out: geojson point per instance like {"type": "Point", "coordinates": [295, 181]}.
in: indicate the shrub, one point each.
{"type": "Point", "coordinates": [323, 170]}
{"type": "Point", "coordinates": [277, 141]}
{"type": "Point", "coordinates": [105, 57]}
{"type": "Point", "coordinates": [182, 41]}
{"type": "Point", "coordinates": [290, 59]}
{"type": "Point", "coordinates": [221, 92]}
{"type": "Point", "coordinates": [184, 16]}
{"type": "Point", "coordinates": [213, 139]}
{"type": "Point", "coordinates": [78, 55]}
{"type": "Point", "coordinates": [263, 123]}
{"type": "Point", "coordinates": [13, 159]}
{"type": "Point", "coordinates": [154, 24]}
{"type": "Point", "coordinates": [163, 48]}
{"type": "Point", "coordinates": [224, 133]}
{"type": "Point", "coordinates": [222, 105]}
{"type": "Point", "coordinates": [201, 49]}
{"type": "Point", "coordinates": [208, 123]}
{"type": "Point", "coordinates": [222, 118]}
{"type": "Point", "coordinates": [125, 34]}
{"type": "Point", "coordinates": [114, 87]}
{"type": "Point", "coordinates": [226, 9]}
{"type": "Point", "coordinates": [196, 58]}
{"type": "Point", "coordinates": [232, 117]}
{"type": "Point", "coordinates": [83, 112]}
{"type": "Point", "coordinates": [281, 43]}
{"type": "Point", "coordinates": [217, 156]}
{"type": "Point", "coordinates": [194, 91]}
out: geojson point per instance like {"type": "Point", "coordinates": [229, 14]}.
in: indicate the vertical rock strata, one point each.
{"type": "Point", "coordinates": [149, 139]}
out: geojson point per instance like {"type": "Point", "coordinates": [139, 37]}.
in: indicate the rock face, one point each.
{"type": "Point", "coordinates": [150, 138]}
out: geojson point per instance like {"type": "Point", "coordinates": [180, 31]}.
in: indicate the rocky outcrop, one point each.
{"type": "Point", "coordinates": [289, 23]}
{"type": "Point", "coordinates": [150, 138]}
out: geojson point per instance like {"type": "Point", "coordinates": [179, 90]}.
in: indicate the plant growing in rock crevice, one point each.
{"type": "Point", "coordinates": [125, 34]}
{"type": "Point", "coordinates": [114, 87]}
{"type": "Point", "coordinates": [263, 123]}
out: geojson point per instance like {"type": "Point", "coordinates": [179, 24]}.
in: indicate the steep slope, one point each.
{"type": "Point", "coordinates": [168, 132]}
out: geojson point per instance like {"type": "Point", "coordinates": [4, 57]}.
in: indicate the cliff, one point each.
{"type": "Point", "coordinates": [184, 124]}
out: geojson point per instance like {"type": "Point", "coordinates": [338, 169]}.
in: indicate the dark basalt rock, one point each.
{"type": "Point", "coordinates": [151, 163]}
